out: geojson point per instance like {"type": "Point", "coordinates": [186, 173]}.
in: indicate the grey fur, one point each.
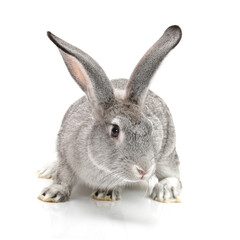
{"type": "Point", "coordinates": [147, 66]}
{"type": "Point", "coordinates": [102, 92]}
{"type": "Point", "coordinates": [146, 141]}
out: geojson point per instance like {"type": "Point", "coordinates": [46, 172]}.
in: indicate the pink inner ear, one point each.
{"type": "Point", "coordinates": [77, 70]}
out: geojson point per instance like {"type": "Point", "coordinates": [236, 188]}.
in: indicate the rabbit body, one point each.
{"type": "Point", "coordinates": [119, 133]}
{"type": "Point", "coordinates": [77, 126]}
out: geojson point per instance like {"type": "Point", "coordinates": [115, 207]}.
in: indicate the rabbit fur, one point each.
{"type": "Point", "coordinates": [119, 133]}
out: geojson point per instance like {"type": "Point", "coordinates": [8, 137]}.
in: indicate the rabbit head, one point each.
{"type": "Point", "coordinates": [121, 138]}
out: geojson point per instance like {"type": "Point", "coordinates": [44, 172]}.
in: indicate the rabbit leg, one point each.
{"type": "Point", "coordinates": [169, 186]}
{"type": "Point", "coordinates": [61, 188]}
{"type": "Point", "coordinates": [106, 195]}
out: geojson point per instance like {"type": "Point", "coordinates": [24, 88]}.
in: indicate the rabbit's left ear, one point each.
{"type": "Point", "coordinates": [139, 80]}
{"type": "Point", "coordinates": [87, 73]}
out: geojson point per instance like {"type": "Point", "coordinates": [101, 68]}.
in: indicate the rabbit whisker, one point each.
{"type": "Point", "coordinates": [106, 178]}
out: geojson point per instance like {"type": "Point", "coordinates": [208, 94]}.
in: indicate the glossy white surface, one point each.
{"type": "Point", "coordinates": [204, 213]}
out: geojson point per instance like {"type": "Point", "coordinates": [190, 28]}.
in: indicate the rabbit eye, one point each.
{"type": "Point", "coordinates": [115, 131]}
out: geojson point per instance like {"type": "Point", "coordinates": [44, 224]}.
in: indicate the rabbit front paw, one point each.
{"type": "Point", "coordinates": [47, 171]}
{"type": "Point", "coordinates": [54, 193]}
{"type": "Point", "coordinates": [106, 195]}
{"type": "Point", "coordinates": [167, 190]}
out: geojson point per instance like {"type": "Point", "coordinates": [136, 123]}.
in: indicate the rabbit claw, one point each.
{"type": "Point", "coordinates": [109, 195]}
{"type": "Point", "coordinates": [54, 193]}
{"type": "Point", "coordinates": [167, 191]}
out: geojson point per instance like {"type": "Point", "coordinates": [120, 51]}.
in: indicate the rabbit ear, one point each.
{"type": "Point", "coordinates": [87, 73]}
{"type": "Point", "coordinates": [145, 69]}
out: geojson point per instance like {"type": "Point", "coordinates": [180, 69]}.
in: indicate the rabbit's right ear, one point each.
{"type": "Point", "coordinates": [142, 74]}
{"type": "Point", "coordinates": [87, 73]}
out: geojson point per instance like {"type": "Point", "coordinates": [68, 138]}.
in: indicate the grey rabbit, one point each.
{"type": "Point", "coordinates": [119, 133]}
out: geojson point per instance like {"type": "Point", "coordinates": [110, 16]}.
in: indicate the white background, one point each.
{"type": "Point", "coordinates": [199, 81]}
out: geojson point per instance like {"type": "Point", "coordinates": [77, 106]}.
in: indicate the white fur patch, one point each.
{"type": "Point", "coordinates": [119, 93]}
{"type": "Point", "coordinates": [116, 121]}
{"type": "Point", "coordinates": [47, 171]}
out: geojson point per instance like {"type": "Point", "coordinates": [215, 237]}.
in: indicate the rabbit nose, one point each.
{"type": "Point", "coordinates": [141, 171]}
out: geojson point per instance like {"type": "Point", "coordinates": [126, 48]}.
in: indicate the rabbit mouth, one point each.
{"type": "Point", "coordinates": [141, 174]}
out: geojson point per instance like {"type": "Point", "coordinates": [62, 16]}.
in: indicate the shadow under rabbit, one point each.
{"type": "Point", "coordinates": [135, 206]}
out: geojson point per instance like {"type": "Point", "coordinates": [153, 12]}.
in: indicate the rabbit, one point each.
{"type": "Point", "coordinates": [119, 133]}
